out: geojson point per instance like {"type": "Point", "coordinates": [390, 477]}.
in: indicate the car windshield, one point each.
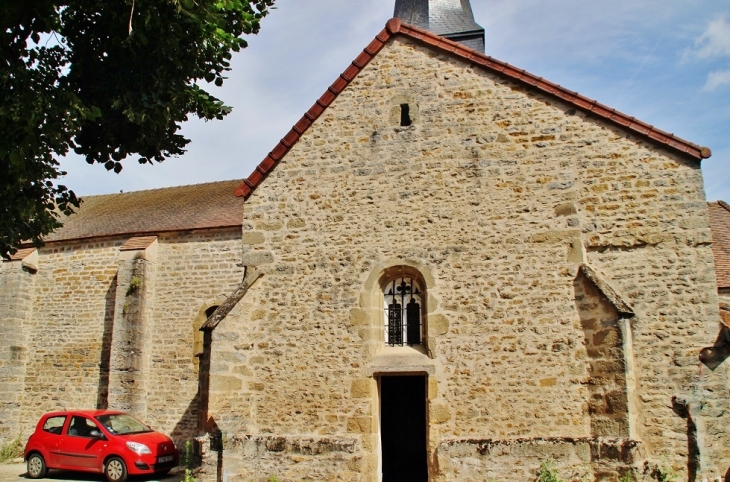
{"type": "Point", "coordinates": [122, 424]}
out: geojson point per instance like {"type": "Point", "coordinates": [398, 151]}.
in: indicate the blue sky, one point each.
{"type": "Point", "coordinates": [666, 62]}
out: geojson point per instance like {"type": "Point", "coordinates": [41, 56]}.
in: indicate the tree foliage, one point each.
{"type": "Point", "coordinates": [108, 80]}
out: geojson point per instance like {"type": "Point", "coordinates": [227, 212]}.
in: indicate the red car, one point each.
{"type": "Point", "coordinates": [102, 441]}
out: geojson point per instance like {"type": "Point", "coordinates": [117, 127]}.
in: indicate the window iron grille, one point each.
{"type": "Point", "coordinates": [403, 301]}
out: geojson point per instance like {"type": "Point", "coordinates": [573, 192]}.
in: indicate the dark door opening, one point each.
{"type": "Point", "coordinates": [403, 428]}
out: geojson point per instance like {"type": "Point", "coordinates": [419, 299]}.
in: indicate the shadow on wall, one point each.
{"type": "Point", "coordinates": [713, 356]}
{"type": "Point", "coordinates": [681, 408]}
{"type": "Point", "coordinates": [194, 420]}
{"type": "Point", "coordinates": [102, 398]}
{"type": "Point", "coordinates": [186, 428]}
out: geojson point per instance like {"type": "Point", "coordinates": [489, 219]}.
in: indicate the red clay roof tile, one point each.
{"type": "Point", "coordinates": [182, 208]}
{"type": "Point", "coordinates": [720, 225]}
{"type": "Point", "coordinates": [138, 243]}
{"type": "Point", "coordinates": [393, 27]}
{"type": "Point", "coordinates": [21, 254]}
{"type": "Point", "coordinates": [725, 317]}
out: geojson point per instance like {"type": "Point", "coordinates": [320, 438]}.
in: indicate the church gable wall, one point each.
{"type": "Point", "coordinates": [499, 193]}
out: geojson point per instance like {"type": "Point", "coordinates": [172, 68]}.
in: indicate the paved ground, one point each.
{"type": "Point", "coordinates": [16, 471]}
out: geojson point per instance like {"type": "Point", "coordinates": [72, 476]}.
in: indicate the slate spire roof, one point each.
{"type": "Point", "coordinates": [452, 19]}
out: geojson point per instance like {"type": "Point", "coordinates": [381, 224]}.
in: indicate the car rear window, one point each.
{"type": "Point", "coordinates": [54, 424]}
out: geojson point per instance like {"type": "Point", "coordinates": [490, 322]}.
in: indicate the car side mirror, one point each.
{"type": "Point", "coordinates": [97, 435]}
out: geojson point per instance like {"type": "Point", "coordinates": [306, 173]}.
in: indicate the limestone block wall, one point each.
{"type": "Point", "coordinates": [194, 272]}
{"type": "Point", "coordinates": [606, 382]}
{"type": "Point", "coordinates": [497, 192]}
{"type": "Point", "coordinates": [675, 320]}
{"type": "Point", "coordinates": [62, 320]}
{"type": "Point", "coordinates": [16, 288]}
{"type": "Point", "coordinates": [130, 350]}
{"type": "Point", "coordinates": [646, 224]}
{"type": "Point", "coordinates": [72, 310]}
{"type": "Point", "coordinates": [574, 458]}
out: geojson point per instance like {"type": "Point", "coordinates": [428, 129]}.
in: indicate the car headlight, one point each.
{"type": "Point", "coordinates": [138, 448]}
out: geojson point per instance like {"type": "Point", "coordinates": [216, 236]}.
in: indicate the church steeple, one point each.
{"type": "Point", "coordinates": [452, 19]}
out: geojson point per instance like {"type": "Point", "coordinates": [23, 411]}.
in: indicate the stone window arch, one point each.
{"type": "Point", "coordinates": [404, 306]}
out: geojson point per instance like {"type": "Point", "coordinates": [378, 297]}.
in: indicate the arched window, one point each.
{"type": "Point", "coordinates": [403, 299]}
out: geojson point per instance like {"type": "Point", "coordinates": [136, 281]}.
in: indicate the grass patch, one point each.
{"type": "Point", "coordinates": [548, 472]}
{"type": "Point", "coordinates": [11, 450]}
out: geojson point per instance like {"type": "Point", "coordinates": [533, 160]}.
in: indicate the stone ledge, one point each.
{"type": "Point", "coordinates": [253, 445]}
{"type": "Point", "coordinates": [401, 359]}
{"type": "Point", "coordinates": [587, 449]}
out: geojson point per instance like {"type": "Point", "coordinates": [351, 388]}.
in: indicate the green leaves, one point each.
{"type": "Point", "coordinates": [15, 158]}
{"type": "Point", "coordinates": [72, 76]}
{"type": "Point", "coordinates": [548, 472]}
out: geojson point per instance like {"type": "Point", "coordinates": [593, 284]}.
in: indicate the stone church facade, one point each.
{"type": "Point", "coordinates": [449, 269]}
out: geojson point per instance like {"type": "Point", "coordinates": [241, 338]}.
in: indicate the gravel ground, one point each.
{"type": "Point", "coordinates": [16, 471]}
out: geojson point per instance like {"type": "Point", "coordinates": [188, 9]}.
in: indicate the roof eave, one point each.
{"type": "Point", "coordinates": [129, 234]}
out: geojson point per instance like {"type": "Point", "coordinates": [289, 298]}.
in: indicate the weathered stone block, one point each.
{"type": "Point", "coordinates": [296, 223]}
{"type": "Point", "coordinates": [359, 425]}
{"type": "Point", "coordinates": [270, 225]}
{"type": "Point", "coordinates": [257, 258]}
{"type": "Point", "coordinates": [253, 237]}
{"type": "Point", "coordinates": [439, 412]}
{"type": "Point", "coordinates": [438, 325]}
{"type": "Point", "coordinates": [362, 388]}
{"type": "Point", "coordinates": [223, 383]}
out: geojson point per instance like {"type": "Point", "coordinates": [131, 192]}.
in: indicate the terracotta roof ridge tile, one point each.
{"type": "Point", "coordinates": [137, 242]}
{"type": "Point", "coordinates": [20, 254]}
{"type": "Point", "coordinates": [154, 189]}
{"type": "Point", "coordinates": [395, 26]}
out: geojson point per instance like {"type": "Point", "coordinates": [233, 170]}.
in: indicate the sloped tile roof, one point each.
{"type": "Point", "coordinates": [137, 243]}
{"type": "Point", "coordinates": [182, 208]}
{"type": "Point", "coordinates": [396, 27]}
{"type": "Point", "coordinates": [720, 225]}
{"type": "Point", "coordinates": [21, 254]}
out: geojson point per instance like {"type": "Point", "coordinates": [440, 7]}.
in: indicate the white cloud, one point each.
{"type": "Point", "coordinates": [716, 79]}
{"type": "Point", "coordinates": [714, 41]}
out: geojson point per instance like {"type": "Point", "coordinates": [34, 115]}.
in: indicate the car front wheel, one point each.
{"type": "Point", "coordinates": [36, 466]}
{"type": "Point", "coordinates": [115, 470]}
